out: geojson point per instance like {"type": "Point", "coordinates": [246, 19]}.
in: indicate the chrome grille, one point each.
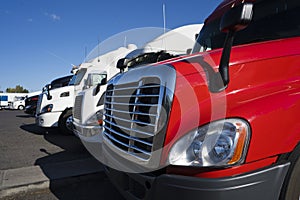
{"type": "Point", "coordinates": [131, 118]}
{"type": "Point", "coordinates": [77, 107]}
{"type": "Point", "coordinates": [38, 106]}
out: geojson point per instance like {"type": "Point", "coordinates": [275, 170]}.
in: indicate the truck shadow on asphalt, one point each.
{"type": "Point", "coordinates": [66, 147]}
{"type": "Point", "coordinates": [25, 116]}
{"type": "Point", "coordinates": [92, 186]}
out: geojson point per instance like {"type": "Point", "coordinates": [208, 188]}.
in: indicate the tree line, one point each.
{"type": "Point", "coordinates": [17, 89]}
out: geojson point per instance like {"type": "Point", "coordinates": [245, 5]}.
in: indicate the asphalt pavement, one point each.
{"type": "Point", "coordinates": [39, 163]}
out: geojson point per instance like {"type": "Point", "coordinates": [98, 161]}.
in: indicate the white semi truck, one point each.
{"type": "Point", "coordinates": [18, 102]}
{"type": "Point", "coordinates": [88, 107]}
{"type": "Point", "coordinates": [97, 75]}
{"type": "Point", "coordinates": [50, 111]}
{"type": "Point", "coordinates": [55, 105]}
{"type": "Point", "coordinates": [15, 100]}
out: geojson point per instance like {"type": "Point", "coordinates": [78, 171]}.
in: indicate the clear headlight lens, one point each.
{"type": "Point", "coordinates": [220, 143]}
{"type": "Point", "coordinates": [47, 108]}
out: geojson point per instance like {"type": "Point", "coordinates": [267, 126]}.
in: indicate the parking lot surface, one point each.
{"type": "Point", "coordinates": [47, 164]}
{"type": "Point", "coordinates": [24, 144]}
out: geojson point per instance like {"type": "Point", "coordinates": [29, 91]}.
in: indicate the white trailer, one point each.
{"type": "Point", "coordinates": [15, 100]}
{"type": "Point", "coordinates": [88, 105]}
{"type": "Point", "coordinates": [19, 101]}
{"type": "Point", "coordinates": [3, 100]}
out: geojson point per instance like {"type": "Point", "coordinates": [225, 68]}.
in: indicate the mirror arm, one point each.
{"type": "Point", "coordinates": [97, 89]}
{"type": "Point", "coordinates": [224, 62]}
{"type": "Point", "coordinates": [233, 21]}
{"type": "Point", "coordinates": [49, 97]}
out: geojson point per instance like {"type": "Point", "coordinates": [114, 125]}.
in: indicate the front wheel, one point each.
{"type": "Point", "coordinates": [21, 107]}
{"type": "Point", "coordinates": [65, 123]}
{"type": "Point", "coordinates": [292, 184]}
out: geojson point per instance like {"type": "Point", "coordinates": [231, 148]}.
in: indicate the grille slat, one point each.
{"type": "Point", "coordinates": [130, 104]}
{"type": "Point", "coordinates": [131, 116]}
{"type": "Point", "coordinates": [130, 121]}
{"type": "Point", "coordinates": [130, 137]}
{"type": "Point", "coordinates": [39, 103]}
{"type": "Point", "coordinates": [131, 88]}
{"type": "Point", "coordinates": [126, 145]}
{"type": "Point", "coordinates": [77, 107]}
{"type": "Point", "coordinates": [132, 113]}
{"type": "Point", "coordinates": [143, 133]}
{"type": "Point", "coordinates": [128, 96]}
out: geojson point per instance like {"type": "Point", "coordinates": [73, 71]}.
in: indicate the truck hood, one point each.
{"type": "Point", "coordinates": [254, 87]}
{"type": "Point", "coordinates": [200, 62]}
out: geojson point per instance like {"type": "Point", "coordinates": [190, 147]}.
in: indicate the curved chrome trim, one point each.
{"type": "Point", "coordinates": [167, 77]}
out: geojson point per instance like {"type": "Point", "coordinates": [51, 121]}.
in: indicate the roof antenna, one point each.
{"type": "Point", "coordinates": [98, 49]}
{"type": "Point", "coordinates": [62, 59]}
{"type": "Point", "coordinates": [125, 41]}
{"type": "Point", "coordinates": [164, 17]}
{"type": "Point", "coordinates": [85, 52]}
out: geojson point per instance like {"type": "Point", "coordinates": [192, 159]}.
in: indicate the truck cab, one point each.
{"type": "Point", "coordinates": [88, 107]}
{"type": "Point", "coordinates": [51, 106]}
{"type": "Point", "coordinates": [31, 104]}
{"type": "Point", "coordinates": [220, 123]}
{"type": "Point", "coordinates": [18, 103]}
{"type": "Point", "coordinates": [57, 104]}
{"type": "Point", "coordinates": [86, 121]}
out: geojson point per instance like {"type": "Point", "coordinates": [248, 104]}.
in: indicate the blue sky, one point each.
{"type": "Point", "coordinates": [41, 38]}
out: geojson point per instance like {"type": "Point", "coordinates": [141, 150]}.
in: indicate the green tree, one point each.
{"type": "Point", "coordinates": [17, 89]}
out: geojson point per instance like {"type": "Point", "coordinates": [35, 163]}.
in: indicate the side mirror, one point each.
{"type": "Point", "coordinates": [47, 89]}
{"type": "Point", "coordinates": [48, 86]}
{"type": "Point", "coordinates": [103, 81]}
{"type": "Point", "coordinates": [237, 18]}
{"type": "Point", "coordinates": [97, 89]}
{"type": "Point", "coordinates": [49, 97]}
{"type": "Point", "coordinates": [122, 64]}
{"type": "Point", "coordinates": [234, 20]}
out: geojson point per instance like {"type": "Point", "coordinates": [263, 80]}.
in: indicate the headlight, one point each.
{"type": "Point", "coordinates": [96, 119]}
{"type": "Point", "coordinates": [47, 108]}
{"type": "Point", "coordinates": [220, 143]}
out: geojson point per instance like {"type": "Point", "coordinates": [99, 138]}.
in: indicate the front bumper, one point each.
{"type": "Point", "coordinates": [49, 119]}
{"type": "Point", "coordinates": [90, 134]}
{"type": "Point", "coordinates": [30, 109]}
{"type": "Point", "coordinates": [262, 184]}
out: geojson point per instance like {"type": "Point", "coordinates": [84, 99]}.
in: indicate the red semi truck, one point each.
{"type": "Point", "coordinates": [221, 123]}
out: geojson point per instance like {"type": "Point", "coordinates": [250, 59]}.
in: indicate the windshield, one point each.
{"type": "Point", "coordinates": [19, 98]}
{"type": "Point", "coordinates": [79, 76]}
{"type": "Point", "coordinates": [60, 82]}
{"type": "Point", "coordinates": [72, 81]}
{"type": "Point", "coordinates": [148, 58]}
{"type": "Point", "coordinates": [272, 19]}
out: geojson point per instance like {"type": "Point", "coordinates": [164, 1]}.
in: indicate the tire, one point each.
{"type": "Point", "coordinates": [21, 107]}
{"type": "Point", "coordinates": [291, 187]}
{"type": "Point", "coordinates": [65, 123]}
